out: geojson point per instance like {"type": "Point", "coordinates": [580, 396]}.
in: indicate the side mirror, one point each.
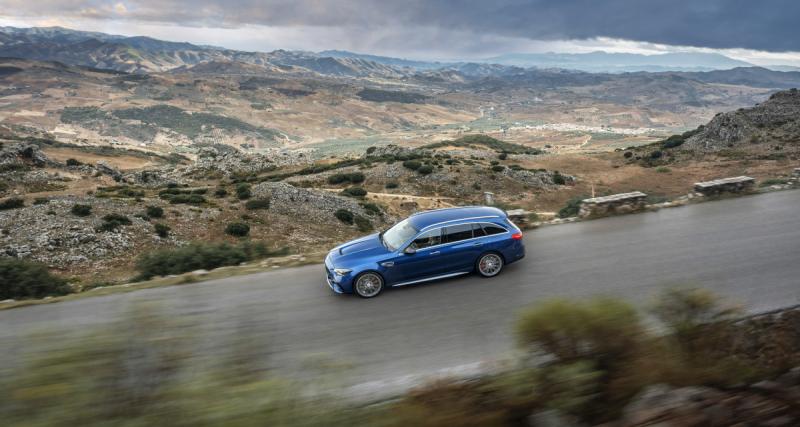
{"type": "Point", "coordinates": [410, 250]}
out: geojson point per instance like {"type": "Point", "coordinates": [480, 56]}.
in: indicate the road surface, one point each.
{"type": "Point", "coordinates": [747, 249]}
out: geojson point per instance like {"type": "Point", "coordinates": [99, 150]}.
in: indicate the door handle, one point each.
{"type": "Point", "coordinates": [435, 253]}
{"type": "Point", "coordinates": [387, 264]}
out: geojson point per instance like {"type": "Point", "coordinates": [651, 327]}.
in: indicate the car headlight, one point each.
{"type": "Point", "coordinates": [341, 271]}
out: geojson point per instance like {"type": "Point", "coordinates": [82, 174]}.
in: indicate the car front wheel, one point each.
{"type": "Point", "coordinates": [489, 265]}
{"type": "Point", "coordinates": [368, 285]}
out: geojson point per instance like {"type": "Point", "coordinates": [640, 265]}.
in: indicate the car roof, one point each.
{"type": "Point", "coordinates": [425, 219]}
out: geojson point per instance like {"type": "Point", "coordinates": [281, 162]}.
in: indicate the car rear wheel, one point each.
{"type": "Point", "coordinates": [489, 265]}
{"type": "Point", "coordinates": [368, 285]}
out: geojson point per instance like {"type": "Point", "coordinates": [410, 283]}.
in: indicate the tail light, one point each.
{"type": "Point", "coordinates": [516, 236]}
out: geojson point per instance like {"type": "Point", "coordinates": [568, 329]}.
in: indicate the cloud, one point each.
{"type": "Point", "coordinates": [463, 28]}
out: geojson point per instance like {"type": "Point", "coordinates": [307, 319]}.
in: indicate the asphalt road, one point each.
{"type": "Point", "coordinates": [747, 249]}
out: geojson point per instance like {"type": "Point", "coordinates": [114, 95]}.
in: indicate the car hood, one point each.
{"type": "Point", "coordinates": [359, 249]}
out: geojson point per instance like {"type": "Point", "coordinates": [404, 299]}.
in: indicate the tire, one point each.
{"type": "Point", "coordinates": [489, 264]}
{"type": "Point", "coordinates": [368, 285]}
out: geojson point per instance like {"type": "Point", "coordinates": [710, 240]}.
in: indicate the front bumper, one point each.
{"type": "Point", "coordinates": [337, 284]}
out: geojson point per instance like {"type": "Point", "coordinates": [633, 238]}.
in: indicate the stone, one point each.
{"type": "Point", "coordinates": [736, 184]}
{"type": "Point", "coordinates": [200, 272]}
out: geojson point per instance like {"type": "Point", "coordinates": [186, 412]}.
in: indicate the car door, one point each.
{"type": "Point", "coordinates": [459, 248]}
{"type": "Point", "coordinates": [404, 267]}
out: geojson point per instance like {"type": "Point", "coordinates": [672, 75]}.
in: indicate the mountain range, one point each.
{"type": "Point", "coordinates": [145, 54]}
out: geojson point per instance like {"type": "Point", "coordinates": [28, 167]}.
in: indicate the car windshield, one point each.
{"type": "Point", "coordinates": [398, 234]}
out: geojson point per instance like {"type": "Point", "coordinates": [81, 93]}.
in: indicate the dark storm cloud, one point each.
{"type": "Point", "coordinates": [763, 25]}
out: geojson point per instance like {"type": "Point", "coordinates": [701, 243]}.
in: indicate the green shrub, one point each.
{"type": "Point", "coordinates": [24, 279]}
{"type": "Point", "coordinates": [392, 184]}
{"type": "Point", "coordinates": [41, 201]}
{"type": "Point", "coordinates": [687, 311]}
{"type": "Point", "coordinates": [663, 169]}
{"type": "Point", "coordinates": [344, 215]}
{"type": "Point", "coordinates": [412, 164]}
{"type": "Point", "coordinates": [354, 192]}
{"type": "Point", "coordinates": [161, 229]}
{"type": "Point", "coordinates": [502, 156]}
{"type": "Point", "coordinates": [559, 179]}
{"type": "Point", "coordinates": [192, 199]}
{"type": "Point", "coordinates": [257, 204]}
{"type": "Point", "coordinates": [425, 169]}
{"type": "Point", "coordinates": [371, 208]}
{"type": "Point", "coordinates": [81, 210]}
{"type": "Point", "coordinates": [12, 203]}
{"type": "Point", "coordinates": [628, 154]}
{"type": "Point", "coordinates": [572, 207]}
{"type": "Point", "coordinates": [362, 223]}
{"type": "Point", "coordinates": [113, 221]}
{"type": "Point", "coordinates": [656, 155]}
{"type": "Point", "coordinates": [243, 191]}
{"type": "Point", "coordinates": [196, 256]}
{"type": "Point", "coordinates": [220, 192]}
{"type": "Point", "coordinates": [154, 211]}
{"type": "Point", "coordinates": [498, 168]}
{"type": "Point", "coordinates": [73, 162]}
{"type": "Point", "coordinates": [237, 229]}
{"type": "Point", "coordinates": [353, 178]}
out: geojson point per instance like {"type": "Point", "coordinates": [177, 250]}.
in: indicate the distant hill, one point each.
{"type": "Point", "coordinates": [621, 62]}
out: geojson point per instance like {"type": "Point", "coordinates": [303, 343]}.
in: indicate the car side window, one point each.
{"type": "Point", "coordinates": [427, 239]}
{"type": "Point", "coordinates": [477, 230]}
{"type": "Point", "coordinates": [493, 229]}
{"type": "Point", "coordinates": [457, 233]}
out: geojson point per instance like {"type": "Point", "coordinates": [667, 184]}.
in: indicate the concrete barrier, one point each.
{"type": "Point", "coordinates": [737, 184]}
{"type": "Point", "coordinates": [614, 204]}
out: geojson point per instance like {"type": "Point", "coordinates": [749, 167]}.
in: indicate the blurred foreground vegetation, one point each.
{"type": "Point", "coordinates": [585, 359]}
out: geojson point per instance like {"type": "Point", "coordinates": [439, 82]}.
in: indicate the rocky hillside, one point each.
{"type": "Point", "coordinates": [775, 121]}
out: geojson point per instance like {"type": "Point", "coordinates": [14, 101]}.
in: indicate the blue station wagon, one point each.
{"type": "Point", "coordinates": [426, 246]}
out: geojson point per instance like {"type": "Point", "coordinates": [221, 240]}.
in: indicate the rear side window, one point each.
{"type": "Point", "coordinates": [477, 230]}
{"type": "Point", "coordinates": [457, 233]}
{"type": "Point", "coordinates": [428, 238]}
{"type": "Point", "coordinates": [493, 229]}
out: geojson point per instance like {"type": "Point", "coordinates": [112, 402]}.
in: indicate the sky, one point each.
{"type": "Point", "coordinates": [764, 32]}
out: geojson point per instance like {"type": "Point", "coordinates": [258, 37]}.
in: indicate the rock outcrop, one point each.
{"type": "Point", "coordinates": [778, 118]}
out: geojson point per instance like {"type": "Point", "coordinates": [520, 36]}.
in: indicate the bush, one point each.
{"type": "Point", "coordinates": [344, 215]}
{"type": "Point", "coordinates": [502, 156]}
{"type": "Point", "coordinates": [81, 210]}
{"type": "Point", "coordinates": [257, 204]}
{"type": "Point", "coordinates": [412, 164]}
{"type": "Point", "coordinates": [656, 155]}
{"type": "Point", "coordinates": [12, 203]}
{"type": "Point", "coordinates": [24, 279]}
{"type": "Point", "coordinates": [154, 212]}
{"type": "Point", "coordinates": [392, 184]}
{"type": "Point", "coordinates": [353, 178]}
{"type": "Point", "coordinates": [193, 199]}
{"type": "Point", "coordinates": [686, 311]}
{"type": "Point", "coordinates": [220, 192]}
{"type": "Point", "coordinates": [161, 229]}
{"type": "Point", "coordinates": [363, 224]}
{"type": "Point", "coordinates": [371, 208]}
{"type": "Point", "coordinates": [113, 221]}
{"type": "Point", "coordinates": [196, 256]}
{"type": "Point", "coordinates": [559, 179]}
{"type": "Point", "coordinates": [596, 342]}
{"type": "Point", "coordinates": [425, 169]}
{"type": "Point", "coordinates": [572, 207]}
{"type": "Point", "coordinates": [41, 201]}
{"type": "Point", "coordinates": [663, 169]}
{"type": "Point", "coordinates": [73, 162]}
{"type": "Point", "coordinates": [773, 181]}
{"type": "Point", "coordinates": [354, 192]}
{"type": "Point", "coordinates": [237, 229]}
{"type": "Point", "coordinates": [628, 154]}
{"type": "Point", "coordinates": [243, 191]}
{"type": "Point", "coordinates": [498, 168]}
